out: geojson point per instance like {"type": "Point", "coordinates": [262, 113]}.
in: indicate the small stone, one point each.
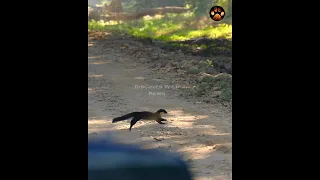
{"type": "Point", "coordinates": [211, 70]}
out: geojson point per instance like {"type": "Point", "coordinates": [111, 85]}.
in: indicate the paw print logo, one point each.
{"type": "Point", "coordinates": [217, 13]}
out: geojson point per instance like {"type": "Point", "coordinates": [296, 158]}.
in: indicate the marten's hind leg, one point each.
{"type": "Point", "coordinates": [133, 122]}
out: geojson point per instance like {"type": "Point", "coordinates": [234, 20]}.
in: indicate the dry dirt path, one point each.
{"type": "Point", "coordinates": [117, 84]}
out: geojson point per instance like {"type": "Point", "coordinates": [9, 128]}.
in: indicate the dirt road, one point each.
{"type": "Point", "coordinates": [118, 84]}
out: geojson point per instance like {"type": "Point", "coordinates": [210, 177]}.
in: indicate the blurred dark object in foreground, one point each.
{"type": "Point", "coordinates": [111, 161]}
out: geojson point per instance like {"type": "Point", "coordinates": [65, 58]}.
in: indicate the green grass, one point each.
{"type": "Point", "coordinates": [170, 27]}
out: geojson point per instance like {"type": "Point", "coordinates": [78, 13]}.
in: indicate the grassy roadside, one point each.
{"type": "Point", "coordinates": [168, 27]}
{"type": "Point", "coordinates": [211, 83]}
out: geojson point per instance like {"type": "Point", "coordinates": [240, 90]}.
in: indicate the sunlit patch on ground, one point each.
{"type": "Point", "coordinates": [99, 62]}
{"type": "Point", "coordinates": [198, 152]}
{"type": "Point", "coordinates": [95, 76]}
{"type": "Point", "coordinates": [91, 90]}
{"type": "Point", "coordinates": [140, 78]}
{"type": "Point", "coordinates": [96, 122]}
{"type": "Point", "coordinates": [94, 57]}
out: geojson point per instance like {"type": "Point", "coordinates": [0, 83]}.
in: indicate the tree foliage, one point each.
{"type": "Point", "coordinates": [199, 7]}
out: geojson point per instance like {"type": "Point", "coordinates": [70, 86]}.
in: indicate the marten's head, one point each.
{"type": "Point", "coordinates": [162, 111]}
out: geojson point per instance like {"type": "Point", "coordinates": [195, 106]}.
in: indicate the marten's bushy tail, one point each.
{"type": "Point", "coordinates": [124, 117]}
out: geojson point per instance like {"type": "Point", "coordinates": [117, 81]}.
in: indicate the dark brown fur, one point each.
{"type": "Point", "coordinates": [143, 115]}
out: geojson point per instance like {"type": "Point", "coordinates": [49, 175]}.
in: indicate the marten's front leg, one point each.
{"type": "Point", "coordinates": [162, 119]}
{"type": "Point", "coordinates": [159, 121]}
